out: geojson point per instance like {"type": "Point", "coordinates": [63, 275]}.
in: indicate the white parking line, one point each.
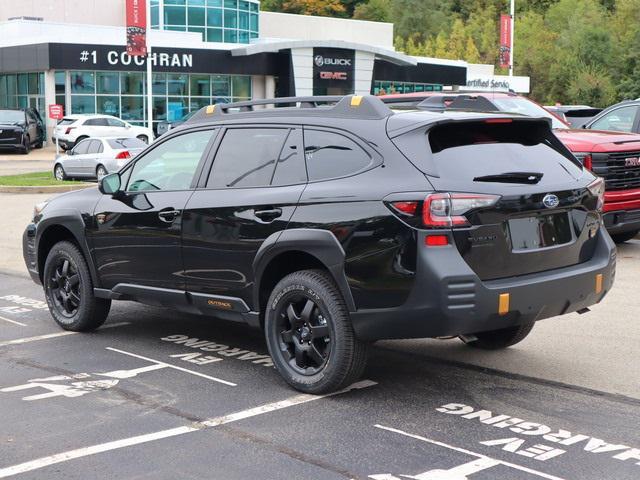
{"type": "Point", "coordinates": [469, 452]}
{"type": "Point", "coordinates": [172, 432]}
{"type": "Point", "coordinates": [19, 341]}
{"type": "Point", "coordinates": [13, 321]}
{"type": "Point", "coordinates": [219, 380]}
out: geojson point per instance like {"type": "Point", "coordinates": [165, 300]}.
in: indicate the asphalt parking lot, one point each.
{"type": "Point", "coordinates": [155, 394]}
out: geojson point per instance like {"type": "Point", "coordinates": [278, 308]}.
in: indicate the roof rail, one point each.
{"type": "Point", "coordinates": [351, 106]}
{"type": "Point", "coordinates": [466, 102]}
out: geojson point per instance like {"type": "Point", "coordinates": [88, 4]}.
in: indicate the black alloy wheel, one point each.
{"type": "Point", "coordinates": [304, 333]}
{"type": "Point", "coordinates": [64, 284]}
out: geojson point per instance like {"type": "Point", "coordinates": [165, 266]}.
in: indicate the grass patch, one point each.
{"type": "Point", "coordinates": [34, 179]}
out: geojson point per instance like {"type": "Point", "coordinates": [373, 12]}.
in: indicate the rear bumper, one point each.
{"type": "Point", "coordinates": [448, 298]}
{"type": "Point", "coordinates": [64, 143]}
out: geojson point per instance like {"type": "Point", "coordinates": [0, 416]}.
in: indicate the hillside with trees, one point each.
{"type": "Point", "coordinates": [575, 51]}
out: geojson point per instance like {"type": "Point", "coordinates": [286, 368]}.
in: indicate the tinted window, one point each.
{"type": "Point", "coordinates": [118, 143]}
{"type": "Point", "coordinates": [171, 165]}
{"type": "Point", "coordinates": [247, 157]}
{"type": "Point", "coordinates": [114, 122]}
{"type": "Point", "coordinates": [620, 119]}
{"type": "Point", "coordinates": [331, 155]}
{"type": "Point", "coordinates": [464, 151]}
{"type": "Point", "coordinates": [96, 122]}
{"type": "Point", "coordinates": [94, 146]}
{"type": "Point", "coordinates": [291, 169]}
{"type": "Point", "coordinates": [82, 147]}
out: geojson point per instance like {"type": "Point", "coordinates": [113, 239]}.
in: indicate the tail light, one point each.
{"type": "Point", "coordinates": [447, 210]}
{"type": "Point", "coordinates": [68, 130]}
{"type": "Point", "coordinates": [596, 188]}
{"type": "Point", "coordinates": [585, 159]}
{"type": "Point", "coordinates": [124, 155]}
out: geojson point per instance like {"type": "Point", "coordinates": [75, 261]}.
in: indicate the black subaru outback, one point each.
{"type": "Point", "coordinates": [332, 225]}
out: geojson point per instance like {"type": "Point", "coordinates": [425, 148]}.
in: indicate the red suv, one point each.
{"type": "Point", "coordinates": [614, 156]}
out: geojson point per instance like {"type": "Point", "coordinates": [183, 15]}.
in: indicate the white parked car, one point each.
{"type": "Point", "coordinates": [74, 128]}
{"type": "Point", "coordinates": [97, 157]}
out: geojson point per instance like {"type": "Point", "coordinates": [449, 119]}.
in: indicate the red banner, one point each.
{"type": "Point", "coordinates": [505, 40]}
{"type": "Point", "coordinates": [56, 112]}
{"type": "Point", "coordinates": [136, 27]}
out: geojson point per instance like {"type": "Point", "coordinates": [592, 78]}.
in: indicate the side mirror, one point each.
{"type": "Point", "coordinates": [109, 184]}
{"type": "Point", "coordinates": [127, 126]}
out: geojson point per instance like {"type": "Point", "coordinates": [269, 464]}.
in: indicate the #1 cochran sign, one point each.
{"type": "Point", "coordinates": [136, 27]}
{"type": "Point", "coordinates": [55, 112]}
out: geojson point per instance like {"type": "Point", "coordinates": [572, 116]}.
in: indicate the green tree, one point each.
{"type": "Point", "coordinates": [471, 53]}
{"type": "Point", "coordinates": [376, 10]}
{"type": "Point", "coordinates": [591, 85]}
{"type": "Point", "coordinates": [457, 39]}
{"type": "Point", "coordinates": [424, 17]}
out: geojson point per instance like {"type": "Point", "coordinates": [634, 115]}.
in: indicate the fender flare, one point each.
{"type": "Point", "coordinates": [73, 222]}
{"type": "Point", "coordinates": [321, 244]}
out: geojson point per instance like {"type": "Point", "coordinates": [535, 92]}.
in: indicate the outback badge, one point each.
{"type": "Point", "coordinates": [550, 200]}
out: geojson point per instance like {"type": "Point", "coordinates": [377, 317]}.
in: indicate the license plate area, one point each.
{"type": "Point", "coordinates": [542, 231]}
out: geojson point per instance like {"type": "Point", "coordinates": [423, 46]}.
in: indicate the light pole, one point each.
{"type": "Point", "coordinates": [149, 70]}
{"type": "Point", "coordinates": [512, 14]}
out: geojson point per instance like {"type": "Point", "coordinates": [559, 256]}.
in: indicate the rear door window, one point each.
{"type": "Point", "coordinates": [94, 146]}
{"type": "Point", "coordinates": [332, 155]}
{"type": "Point", "coordinates": [247, 157]}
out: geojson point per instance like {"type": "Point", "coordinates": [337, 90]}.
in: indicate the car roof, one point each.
{"type": "Point", "coordinates": [89, 115]}
{"type": "Point", "coordinates": [476, 93]}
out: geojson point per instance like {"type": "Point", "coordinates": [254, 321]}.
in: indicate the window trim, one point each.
{"type": "Point", "coordinates": [376, 158]}
{"type": "Point", "coordinates": [202, 184]}
{"type": "Point", "coordinates": [215, 133]}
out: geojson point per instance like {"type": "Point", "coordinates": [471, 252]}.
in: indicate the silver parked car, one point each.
{"type": "Point", "coordinates": [97, 157]}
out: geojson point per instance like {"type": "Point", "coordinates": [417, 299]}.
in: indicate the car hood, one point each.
{"type": "Point", "coordinates": [582, 140]}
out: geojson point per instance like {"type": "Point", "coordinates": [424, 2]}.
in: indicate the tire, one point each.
{"type": "Point", "coordinates": [68, 289]}
{"type": "Point", "coordinates": [101, 171]}
{"type": "Point", "coordinates": [39, 145]}
{"type": "Point", "coordinates": [143, 138]}
{"type": "Point", "coordinates": [58, 172]}
{"type": "Point", "coordinates": [307, 306]}
{"type": "Point", "coordinates": [503, 338]}
{"type": "Point", "coordinates": [624, 237]}
{"type": "Point", "coordinates": [26, 145]}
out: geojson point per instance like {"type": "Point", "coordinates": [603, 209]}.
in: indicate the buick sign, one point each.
{"type": "Point", "coordinates": [550, 200]}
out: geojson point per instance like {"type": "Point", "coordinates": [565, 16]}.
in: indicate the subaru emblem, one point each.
{"type": "Point", "coordinates": [550, 200]}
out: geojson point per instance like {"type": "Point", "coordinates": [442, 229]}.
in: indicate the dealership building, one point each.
{"type": "Point", "coordinates": [72, 53]}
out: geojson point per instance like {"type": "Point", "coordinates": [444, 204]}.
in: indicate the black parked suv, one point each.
{"type": "Point", "coordinates": [21, 129]}
{"type": "Point", "coordinates": [332, 226]}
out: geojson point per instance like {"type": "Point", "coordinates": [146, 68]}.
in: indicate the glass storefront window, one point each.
{"type": "Point", "coordinates": [175, 2]}
{"type": "Point", "coordinates": [23, 84]}
{"type": "Point", "coordinates": [241, 86]}
{"type": "Point", "coordinates": [12, 85]}
{"type": "Point", "coordinates": [200, 86]}
{"type": "Point", "coordinates": [253, 22]}
{"type": "Point", "coordinates": [108, 105]}
{"type": "Point", "coordinates": [230, 3]}
{"type": "Point", "coordinates": [230, 36]}
{"type": "Point", "coordinates": [107, 82]}
{"type": "Point", "coordinates": [198, 103]}
{"type": "Point", "coordinates": [199, 3]}
{"type": "Point", "coordinates": [243, 5]}
{"type": "Point", "coordinates": [214, 17]}
{"type": "Point", "coordinates": [243, 20]}
{"type": "Point", "coordinates": [220, 86]}
{"type": "Point", "coordinates": [214, 3]}
{"type": "Point", "coordinates": [60, 82]}
{"type": "Point", "coordinates": [230, 19]}
{"type": "Point", "coordinates": [177, 84]}
{"type": "Point", "coordinates": [132, 83]}
{"type": "Point", "coordinates": [159, 84]}
{"type": "Point", "coordinates": [214, 34]}
{"type": "Point", "coordinates": [83, 82]}
{"type": "Point", "coordinates": [175, 15]}
{"type": "Point", "coordinates": [254, 7]}
{"type": "Point", "coordinates": [177, 107]}
{"type": "Point", "coordinates": [159, 108]}
{"type": "Point", "coordinates": [155, 15]}
{"type": "Point", "coordinates": [34, 84]}
{"type": "Point", "coordinates": [196, 16]}
{"type": "Point", "coordinates": [133, 108]}
{"type": "Point", "coordinates": [83, 104]}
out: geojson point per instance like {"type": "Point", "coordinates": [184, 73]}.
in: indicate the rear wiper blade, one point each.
{"type": "Point", "coordinates": [511, 177]}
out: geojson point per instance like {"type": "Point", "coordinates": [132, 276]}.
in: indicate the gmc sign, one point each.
{"type": "Point", "coordinates": [333, 71]}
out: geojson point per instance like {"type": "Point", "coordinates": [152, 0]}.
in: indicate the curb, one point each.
{"type": "Point", "coordinates": [44, 188]}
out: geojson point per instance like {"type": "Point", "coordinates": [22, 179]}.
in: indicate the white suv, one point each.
{"type": "Point", "coordinates": [74, 128]}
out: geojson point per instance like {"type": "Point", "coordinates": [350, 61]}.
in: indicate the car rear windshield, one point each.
{"type": "Point", "coordinates": [11, 116]}
{"type": "Point", "coordinates": [66, 121]}
{"type": "Point", "coordinates": [118, 143]}
{"type": "Point", "coordinates": [472, 149]}
{"type": "Point", "coordinates": [524, 106]}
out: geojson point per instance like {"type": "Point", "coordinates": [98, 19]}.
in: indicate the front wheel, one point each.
{"type": "Point", "coordinates": [68, 289]}
{"type": "Point", "coordinates": [310, 336]}
{"type": "Point", "coordinates": [26, 145]}
{"type": "Point", "coordinates": [503, 338]}
{"type": "Point", "coordinates": [624, 237]}
{"type": "Point", "coordinates": [59, 173]}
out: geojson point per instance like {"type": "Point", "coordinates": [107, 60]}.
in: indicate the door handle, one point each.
{"type": "Point", "coordinates": [168, 215]}
{"type": "Point", "coordinates": [268, 215]}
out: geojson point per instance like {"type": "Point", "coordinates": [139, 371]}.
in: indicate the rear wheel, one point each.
{"type": "Point", "coordinates": [101, 172]}
{"type": "Point", "coordinates": [58, 172]}
{"type": "Point", "coordinates": [310, 336]}
{"type": "Point", "coordinates": [26, 145]}
{"type": "Point", "coordinates": [624, 237]}
{"type": "Point", "coordinates": [69, 290]}
{"type": "Point", "coordinates": [503, 338]}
